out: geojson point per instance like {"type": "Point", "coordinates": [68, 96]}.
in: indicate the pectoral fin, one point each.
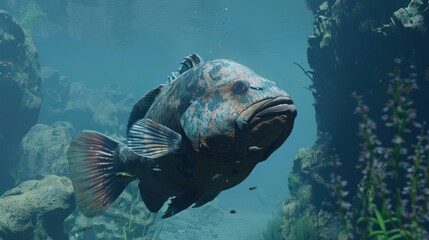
{"type": "Point", "coordinates": [152, 196]}
{"type": "Point", "coordinates": [205, 199]}
{"type": "Point", "coordinates": [150, 139]}
{"type": "Point", "coordinates": [181, 202]}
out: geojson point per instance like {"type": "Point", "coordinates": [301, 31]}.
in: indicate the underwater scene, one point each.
{"type": "Point", "coordinates": [214, 120]}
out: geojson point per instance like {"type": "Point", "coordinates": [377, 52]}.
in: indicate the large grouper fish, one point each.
{"type": "Point", "coordinates": [187, 140]}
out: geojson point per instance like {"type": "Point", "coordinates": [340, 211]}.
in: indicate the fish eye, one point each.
{"type": "Point", "coordinates": [240, 86]}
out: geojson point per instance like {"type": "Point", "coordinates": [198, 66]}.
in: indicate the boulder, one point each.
{"type": "Point", "coordinates": [43, 151]}
{"type": "Point", "coordinates": [20, 93]}
{"type": "Point", "coordinates": [36, 209]}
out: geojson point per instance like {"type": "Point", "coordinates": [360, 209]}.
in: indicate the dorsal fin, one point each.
{"type": "Point", "coordinates": [189, 62]}
{"type": "Point", "coordinates": [141, 107]}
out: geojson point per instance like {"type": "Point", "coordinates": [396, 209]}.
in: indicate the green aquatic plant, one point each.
{"type": "Point", "coordinates": [30, 16]}
{"type": "Point", "coordinates": [304, 230]}
{"type": "Point", "coordinates": [133, 221]}
{"type": "Point", "coordinates": [392, 200]}
{"type": "Point", "coordinates": [273, 231]}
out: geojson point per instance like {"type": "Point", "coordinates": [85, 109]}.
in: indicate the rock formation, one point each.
{"type": "Point", "coordinates": [105, 110]}
{"type": "Point", "coordinates": [353, 49]}
{"type": "Point", "coordinates": [36, 209]}
{"type": "Point", "coordinates": [43, 151]}
{"type": "Point", "coordinates": [20, 94]}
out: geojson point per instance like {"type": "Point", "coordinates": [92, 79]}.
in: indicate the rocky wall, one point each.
{"type": "Point", "coordinates": [20, 93]}
{"type": "Point", "coordinates": [353, 49]}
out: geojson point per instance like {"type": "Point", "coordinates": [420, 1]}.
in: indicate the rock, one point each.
{"type": "Point", "coordinates": [413, 16]}
{"type": "Point", "coordinates": [310, 185]}
{"type": "Point", "coordinates": [314, 5]}
{"type": "Point", "coordinates": [43, 151]}
{"type": "Point", "coordinates": [55, 92]}
{"type": "Point", "coordinates": [20, 94]}
{"type": "Point", "coordinates": [379, 32]}
{"type": "Point", "coordinates": [353, 48]}
{"type": "Point", "coordinates": [36, 209]}
{"type": "Point", "coordinates": [105, 110]}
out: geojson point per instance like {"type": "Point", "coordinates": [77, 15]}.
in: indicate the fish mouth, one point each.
{"type": "Point", "coordinates": [266, 125]}
{"type": "Point", "coordinates": [264, 110]}
{"type": "Point", "coordinates": [280, 106]}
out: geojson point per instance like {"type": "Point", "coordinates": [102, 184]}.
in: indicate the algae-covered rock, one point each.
{"type": "Point", "coordinates": [43, 151]}
{"type": "Point", "coordinates": [352, 49]}
{"type": "Point", "coordinates": [414, 16]}
{"type": "Point", "coordinates": [312, 202]}
{"type": "Point", "coordinates": [36, 209]}
{"type": "Point", "coordinates": [20, 94]}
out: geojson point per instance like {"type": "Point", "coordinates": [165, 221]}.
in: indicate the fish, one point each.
{"type": "Point", "coordinates": [84, 228]}
{"type": "Point", "coordinates": [252, 188]}
{"type": "Point", "coordinates": [232, 211]}
{"type": "Point", "coordinates": [201, 132]}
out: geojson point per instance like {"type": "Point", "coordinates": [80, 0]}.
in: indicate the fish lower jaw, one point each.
{"type": "Point", "coordinates": [266, 109]}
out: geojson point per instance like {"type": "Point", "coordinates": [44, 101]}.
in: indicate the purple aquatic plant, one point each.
{"type": "Point", "coordinates": [392, 200]}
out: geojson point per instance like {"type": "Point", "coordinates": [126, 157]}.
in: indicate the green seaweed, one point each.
{"type": "Point", "coordinates": [273, 231]}
{"type": "Point", "coordinates": [143, 226]}
{"type": "Point", "coordinates": [294, 182]}
{"type": "Point", "coordinates": [304, 230]}
{"type": "Point", "coordinates": [30, 16]}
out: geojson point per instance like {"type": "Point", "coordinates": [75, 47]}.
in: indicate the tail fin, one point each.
{"type": "Point", "coordinates": [93, 172]}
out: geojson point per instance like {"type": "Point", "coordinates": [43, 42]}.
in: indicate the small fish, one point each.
{"type": "Point", "coordinates": [232, 211]}
{"type": "Point", "coordinates": [252, 188]}
{"type": "Point", "coordinates": [81, 229]}
{"type": "Point", "coordinates": [216, 176]}
{"type": "Point", "coordinates": [255, 148]}
{"type": "Point", "coordinates": [196, 128]}
{"type": "Point", "coordinates": [124, 174]}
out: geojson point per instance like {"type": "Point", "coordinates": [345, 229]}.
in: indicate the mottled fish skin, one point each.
{"type": "Point", "coordinates": [201, 103]}
{"type": "Point", "coordinates": [187, 140]}
{"type": "Point", "coordinates": [200, 106]}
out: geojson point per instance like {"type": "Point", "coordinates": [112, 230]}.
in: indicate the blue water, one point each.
{"type": "Point", "coordinates": [139, 43]}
